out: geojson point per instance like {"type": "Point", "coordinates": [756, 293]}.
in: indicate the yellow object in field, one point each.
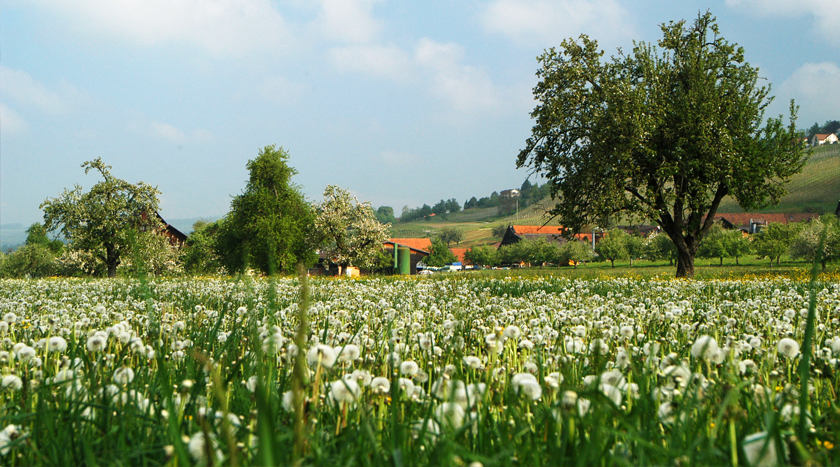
{"type": "Point", "coordinates": [352, 272]}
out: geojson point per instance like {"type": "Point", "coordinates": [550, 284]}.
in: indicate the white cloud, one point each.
{"type": "Point", "coordinates": [219, 26]}
{"type": "Point", "coordinates": [176, 135]}
{"type": "Point", "coordinates": [826, 13]}
{"type": "Point", "coordinates": [466, 88]}
{"type": "Point", "coordinates": [21, 87]}
{"type": "Point", "coordinates": [397, 158]}
{"type": "Point", "coordinates": [11, 123]}
{"type": "Point", "coordinates": [386, 61]}
{"type": "Point", "coordinates": [814, 87]}
{"type": "Point", "coordinates": [348, 20]}
{"type": "Point", "coordinates": [547, 23]}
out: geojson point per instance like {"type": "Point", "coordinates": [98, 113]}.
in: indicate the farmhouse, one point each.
{"type": "Point", "coordinates": [418, 248]}
{"type": "Point", "coordinates": [824, 138]}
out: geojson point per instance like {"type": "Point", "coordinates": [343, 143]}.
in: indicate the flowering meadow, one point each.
{"type": "Point", "coordinates": [461, 371]}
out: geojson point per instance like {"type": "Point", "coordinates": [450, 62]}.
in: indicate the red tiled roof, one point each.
{"type": "Point", "coordinates": [424, 244]}
{"type": "Point", "coordinates": [538, 229]}
{"type": "Point", "coordinates": [459, 253]}
{"type": "Point", "coordinates": [821, 136]}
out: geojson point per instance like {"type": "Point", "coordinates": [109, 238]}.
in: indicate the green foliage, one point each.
{"type": "Point", "coordinates": [152, 255]}
{"type": "Point", "coordinates": [662, 133]}
{"type": "Point", "coordinates": [36, 234]}
{"type": "Point", "coordinates": [30, 260]}
{"type": "Point", "coordinates": [613, 246]}
{"type": "Point", "coordinates": [774, 240]}
{"type": "Point", "coordinates": [385, 215]}
{"type": "Point", "coordinates": [500, 230]}
{"type": "Point", "coordinates": [806, 245]}
{"type": "Point", "coordinates": [657, 246]}
{"type": "Point", "coordinates": [721, 243]}
{"type": "Point", "coordinates": [482, 255]}
{"type": "Point", "coordinates": [105, 220]}
{"type": "Point", "coordinates": [440, 254]}
{"type": "Point", "coordinates": [451, 235]}
{"type": "Point", "coordinates": [346, 230]}
{"type": "Point", "coordinates": [575, 251]}
{"type": "Point", "coordinates": [635, 247]}
{"type": "Point", "coordinates": [199, 256]}
{"type": "Point", "coordinates": [269, 224]}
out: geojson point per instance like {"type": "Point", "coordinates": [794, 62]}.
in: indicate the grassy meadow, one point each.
{"type": "Point", "coordinates": [499, 368]}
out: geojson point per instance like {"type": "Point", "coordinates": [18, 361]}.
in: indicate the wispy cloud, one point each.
{"type": "Point", "coordinates": [228, 27]}
{"type": "Point", "coordinates": [825, 13]}
{"type": "Point", "coordinates": [814, 86]}
{"type": "Point", "coordinates": [348, 20]}
{"type": "Point", "coordinates": [27, 91]}
{"type": "Point", "coordinates": [178, 136]}
{"type": "Point", "coordinates": [466, 88]}
{"type": "Point", "coordinates": [11, 123]}
{"type": "Point", "coordinates": [547, 23]}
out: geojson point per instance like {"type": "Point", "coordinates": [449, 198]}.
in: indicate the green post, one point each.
{"type": "Point", "coordinates": [405, 261]}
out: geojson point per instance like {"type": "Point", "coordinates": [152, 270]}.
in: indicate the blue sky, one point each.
{"type": "Point", "coordinates": [400, 102]}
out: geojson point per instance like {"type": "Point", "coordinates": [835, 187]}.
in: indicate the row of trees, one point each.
{"type": "Point", "coordinates": [270, 228]}
{"type": "Point", "coordinates": [800, 241]}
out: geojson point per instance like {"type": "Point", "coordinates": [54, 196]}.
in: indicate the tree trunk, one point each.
{"type": "Point", "coordinates": [685, 263]}
{"type": "Point", "coordinates": [721, 260]}
{"type": "Point", "coordinates": [112, 260]}
{"type": "Point", "coordinates": [612, 262]}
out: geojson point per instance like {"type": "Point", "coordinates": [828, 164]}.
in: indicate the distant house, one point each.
{"type": "Point", "coordinates": [824, 138]}
{"type": "Point", "coordinates": [509, 194]}
{"type": "Point", "coordinates": [753, 222]}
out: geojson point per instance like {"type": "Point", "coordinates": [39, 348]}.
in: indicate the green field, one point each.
{"type": "Point", "coordinates": [498, 368]}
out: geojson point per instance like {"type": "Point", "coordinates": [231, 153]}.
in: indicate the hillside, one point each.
{"type": "Point", "coordinates": [816, 188]}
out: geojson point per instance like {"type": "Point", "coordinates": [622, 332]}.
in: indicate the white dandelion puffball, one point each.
{"type": "Point", "coordinates": [473, 362]}
{"type": "Point", "coordinates": [512, 332]}
{"type": "Point", "coordinates": [96, 343]}
{"type": "Point", "coordinates": [788, 347]}
{"type": "Point", "coordinates": [527, 384]}
{"type": "Point", "coordinates": [198, 448]}
{"type": "Point", "coordinates": [704, 347]}
{"type": "Point", "coordinates": [57, 344]}
{"type": "Point", "coordinates": [380, 385]}
{"type": "Point", "coordinates": [409, 368]}
{"type": "Point", "coordinates": [11, 382]}
{"type": "Point", "coordinates": [251, 385]}
{"type": "Point", "coordinates": [348, 353]}
{"type": "Point", "coordinates": [321, 354]}
{"type": "Point", "coordinates": [450, 415]}
{"type": "Point", "coordinates": [123, 375]}
{"type": "Point", "coordinates": [345, 390]}
{"type": "Point", "coordinates": [760, 449]}
{"type": "Point", "coordinates": [7, 438]}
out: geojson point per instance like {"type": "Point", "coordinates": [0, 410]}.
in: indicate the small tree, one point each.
{"type": "Point", "coordinates": [499, 230]}
{"type": "Point", "coordinates": [576, 251]}
{"type": "Point", "coordinates": [739, 244]}
{"type": "Point", "coordinates": [347, 230]}
{"type": "Point", "coordinates": [269, 225]}
{"type": "Point", "coordinates": [659, 247]}
{"type": "Point", "coordinates": [774, 240]}
{"type": "Point", "coordinates": [716, 244]}
{"type": "Point", "coordinates": [635, 247]}
{"type": "Point", "coordinates": [543, 251]}
{"type": "Point", "coordinates": [482, 255]}
{"type": "Point", "coordinates": [439, 254]}
{"type": "Point", "coordinates": [807, 242]}
{"type": "Point", "coordinates": [199, 256]}
{"type": "Point", "coordinates": [451, 235]}
{"type": "Point", "coordinates": [32, 260]}
{"type": "Point", "coordinates": [105, 220]}
{"type": "Point", "coordinates": [613, 246]}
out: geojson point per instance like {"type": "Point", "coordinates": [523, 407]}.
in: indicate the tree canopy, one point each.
{"type": "Point", "coordinates": [270, 224]}
{"type": "Point", "coordinates": [347, 230]}
{"type": "Point", "coordinates": [663, 133]}
{"type": "Point", "coordinates": [105, 220]}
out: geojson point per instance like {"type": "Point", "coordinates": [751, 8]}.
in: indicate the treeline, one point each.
{"type": "Point", "coordinates": [529, 194]}
{"type": "Point", "coordinates": [799, 241]}
{"type": "Point", "coordinates": [114, 228]}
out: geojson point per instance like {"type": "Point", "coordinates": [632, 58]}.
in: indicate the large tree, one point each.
{"type": "Point", "coordinates": [347, 230]}
{"type": "Point", "coordinates": [104, 221]}
{"type": "Point", "coordinates": [663, 133]}
{"type": "Point", "coordinates": [270, 223]}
